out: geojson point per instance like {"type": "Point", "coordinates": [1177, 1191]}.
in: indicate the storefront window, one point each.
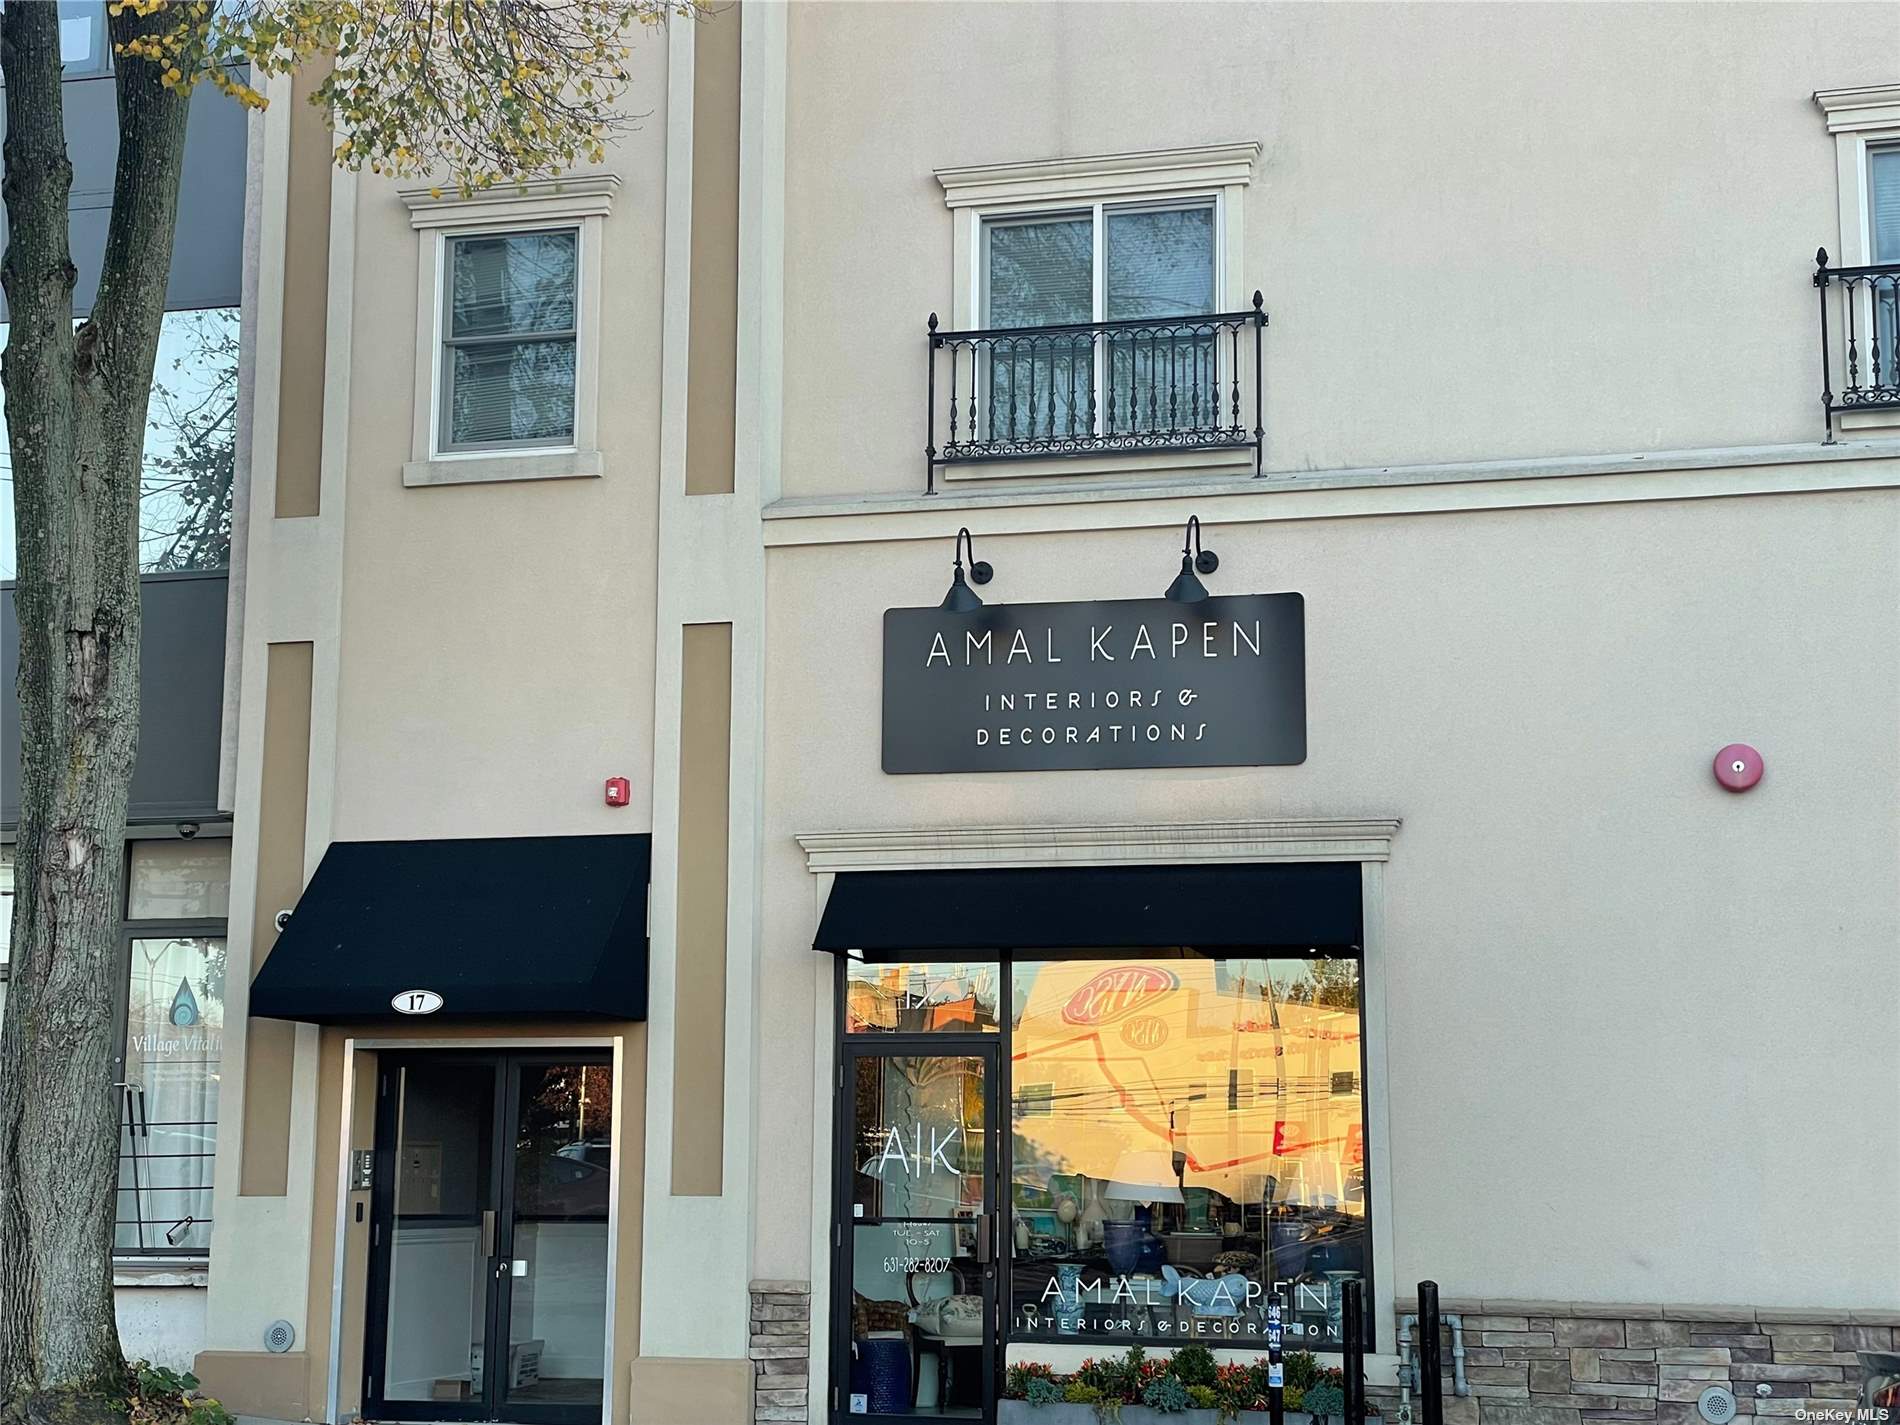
{"type": "Point", "coordinates": [1187, 1135]}
{"type": "Point", "coordinates": [177, 896]}
{"type": "Point", "coordinates": [921, 998]}
{"type": "Point", "coordinates": [174, 1032]}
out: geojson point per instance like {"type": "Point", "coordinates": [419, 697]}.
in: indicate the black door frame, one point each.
{"type": "Point", "coordinates": [992, 1244]}
{"type": "Point", "coordinates": [499, 1195]}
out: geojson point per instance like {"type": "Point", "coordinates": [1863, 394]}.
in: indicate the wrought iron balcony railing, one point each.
{"type": "Point", "coordinates": [1157, 384]}
{"type": "Point", "coordinates": [1861, 305]}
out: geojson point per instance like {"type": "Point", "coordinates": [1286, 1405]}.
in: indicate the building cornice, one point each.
{"type": "Point", "coordinates": [1108, 175]}
{"type": "Point", "coordinates": [1803, 469]}
{"type": "Point", "coordinates": [1867, 106]}
{"type": "Point", "coordinates": [1100, 844]}
{"type": "Point", "coordinates": [585, 195]}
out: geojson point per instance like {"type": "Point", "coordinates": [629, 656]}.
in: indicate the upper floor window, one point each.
{"type": "Point", "coordinates": [507, 353]}
{"type": "Point", "coordinates": [509, 340]}
{"type": "Point", "coordinates": [1883, 203]}
{"type": "Point", "coordinates": [1153, 262]}
{"type": "Point", "coordinates": [1860, 278]}
{"type": "Point", "coordinates": [1099, 313]}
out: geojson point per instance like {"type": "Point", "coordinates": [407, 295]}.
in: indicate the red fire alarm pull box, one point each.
{"type": "Point", "coordinates": [619, 791]}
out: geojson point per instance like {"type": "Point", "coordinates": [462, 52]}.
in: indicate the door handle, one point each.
{"type": "Point", "coordinates": [488, 1232]}
{"type": "Point", "coordinates": [983, 1239]}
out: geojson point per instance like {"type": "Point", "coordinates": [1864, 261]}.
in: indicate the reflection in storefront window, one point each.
{"type": "Point", "coordinates": [920, 998]}
{"type": "Point", "coordinates": [1188, 1133]}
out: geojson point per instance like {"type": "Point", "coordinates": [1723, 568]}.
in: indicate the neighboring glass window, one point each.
{"type": "Point", "coordinates": [6, 923]}
{"type": "Point", "coordinates": [179, 880]}
{"type": "Point", "coordinates": [177, 897]}
{"type": "Point", "coordinates": [1187, 1132]}
{"type": "Point", "coordinates": [174, 1036]}
{"type": "Point", "coordinates": [190, 448]}
{"type": "Point", "coordinates": [948, 997]}
{"type": "Point", "coordinates": [190, 443]}
{"type": "Point", "coordinates": [509, 340]}
{"type": "Point", "coordinates": [83, 48]}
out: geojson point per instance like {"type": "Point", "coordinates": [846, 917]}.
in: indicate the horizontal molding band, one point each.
{"type": "Point", "coordinates": [1344, 494]}
{"type": "Point", "coordinates": [1100, 844]}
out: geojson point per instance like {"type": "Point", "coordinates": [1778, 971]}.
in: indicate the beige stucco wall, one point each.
{"type": "Point", "coordinates": [1640, 1029]}
{"type": "Point", "coordinates": [498, 638]}
{"type": "Point", "coordinates": [1482, 231]}
{"type": "Point", "coordinates": [483, 659]}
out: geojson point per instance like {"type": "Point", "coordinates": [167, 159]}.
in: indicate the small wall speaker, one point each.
{"type": "Point", "coordinates": [1716, 1405]}
{"type": "Point", "coordinates": [279, 1336]}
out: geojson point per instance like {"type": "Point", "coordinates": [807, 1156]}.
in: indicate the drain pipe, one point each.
{"type": "Point", "coordinates": [1408, 1368]}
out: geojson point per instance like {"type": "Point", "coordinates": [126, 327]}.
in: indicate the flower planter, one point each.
{"type": "Point", "coordinates": [1021, 1412]}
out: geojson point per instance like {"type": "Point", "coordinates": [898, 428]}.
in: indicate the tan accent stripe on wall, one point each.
{"type": "Point", "coordinates": [270, 1044]}
{"type": "Point", "coordinates": [699, 982]}
{"type": "Point", "coordinates": [713, 305]}
{"type": "Point", "coordinates": [306, 300]}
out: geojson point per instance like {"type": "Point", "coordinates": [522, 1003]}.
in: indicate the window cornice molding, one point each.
{"type": "Point", "coordinates": [1868, 106]}
{"type": "Point", "coordinates": [1100, 844]}
{"type": "Point", "coordinates": [589, 195]}
{"type": "Point", "coordinates": [1099, 176]}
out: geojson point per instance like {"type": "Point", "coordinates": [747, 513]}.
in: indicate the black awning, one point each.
{"type": "Point", "coordinates": [509, 927]}
{"type": "Point", "coordinates": [1312, 904]}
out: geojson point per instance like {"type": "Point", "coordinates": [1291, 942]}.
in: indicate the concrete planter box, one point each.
{"type": "Point", "coordinates": [1021, 1412]}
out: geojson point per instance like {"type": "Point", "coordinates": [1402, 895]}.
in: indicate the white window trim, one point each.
{"type": "Point", "coordinates": [1216, 173]}
{"type": "Point", "coordinates": [1001, 190]}
{"type": "Point", "coordinates": [1861, 119]}
{"type": "Point", "coordinates": [583, 203]}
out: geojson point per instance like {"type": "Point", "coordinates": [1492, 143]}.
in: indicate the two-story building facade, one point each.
{"type": "Point", "coordinates": [1398, 782]}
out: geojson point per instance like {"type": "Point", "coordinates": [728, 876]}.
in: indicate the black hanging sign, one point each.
{"type": "Point", "coordinates": [1128, 683]}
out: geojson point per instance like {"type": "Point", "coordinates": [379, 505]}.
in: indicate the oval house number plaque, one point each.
{"type": "Point", "coordinates": [416, 1002]}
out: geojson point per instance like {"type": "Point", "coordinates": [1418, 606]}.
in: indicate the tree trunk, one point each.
{"type": "Point", "coordinates": [76, 409]}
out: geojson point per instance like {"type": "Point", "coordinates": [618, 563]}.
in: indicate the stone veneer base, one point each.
{"type": "Point", "coordinates": [780, 1349]}
{"type": "Point", "coordinates": [1568, 1363]}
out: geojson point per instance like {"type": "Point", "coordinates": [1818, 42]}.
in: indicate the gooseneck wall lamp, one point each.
{"type": "Point", "coordinates": [962, 598]}
{"type": "Point", "coordinates": [1187, 587]}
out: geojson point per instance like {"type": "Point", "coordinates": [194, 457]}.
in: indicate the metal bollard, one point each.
{"type": "Point", "coordinates": [1353, 1364]}
{"type": "Point", "coordinates": [1431, 1391]}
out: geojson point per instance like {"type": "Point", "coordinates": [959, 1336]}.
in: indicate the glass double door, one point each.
{"type": "Point", "coordinates": [489, 1269]}
{"type": "Point", "coordinates": [915, 1336]}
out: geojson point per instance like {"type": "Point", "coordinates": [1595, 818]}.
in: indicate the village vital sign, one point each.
{"type": "Point", "coordinates": [1130, 683]}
